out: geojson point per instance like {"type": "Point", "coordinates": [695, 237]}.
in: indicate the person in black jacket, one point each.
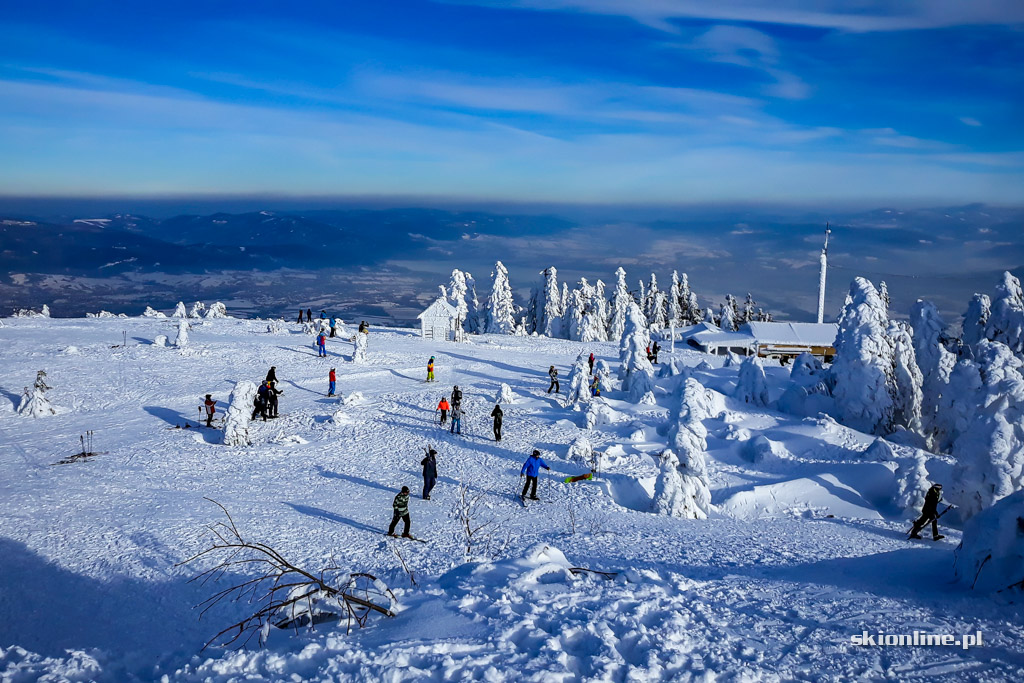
{"type": "Point", "coordinates": [401, 512]}
{"type": "Point", "coordinates": [498, 415]}
{"type": "Point", "coordinates": [429, 472]}
{"type": "Point", "coordinates": [553, 374]}
{"type": "Point", "coordinates": [272, 374]}
{"type": "Point", "coordinates": [929, 513]}
{"type": "Point", "coordinates": [456, 397]}
{"type": "Point", "coordinates": [300, 315]}
{"type": "Point", "coordinates": [309, 315]}
{"type": "Point", "coordinates": [259, 407]}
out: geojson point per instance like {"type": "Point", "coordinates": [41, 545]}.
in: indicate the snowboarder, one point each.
{"type": "Point", "coordinates": [401, 512]}
{"type": "Point", "coordinates": [929, 513]}
{"type": "Point", "coordinates": [321, 345]}
{"type": "Point", "coordinates": [300, 315]}
{"type": "Point", "coordinates": [456, 427]}
{"type": "Point", "coordinates": [429, 472]}
{"type": "Point", "coordinates": [531, 468]}
{"type": "Point", "coordinates": [443, 407]}
{"type": "Point", "coordinates": [591, 361]}
{"type": "Point", "coordinates": [259, 404]}
{"type": "Point", "coordinates": [272, 374]}
{"type": "Point", "coordinates": [553, 374]}
{"type": "Point", "coordinates": [210, 409]}
{"type": "Point", "coordinates": [430, 369]}
{"type": "Point", "coordinates": [456, 397]}
{"type": "Point", "coordinates": [595, 386]}
{"type": "Point", "coordinates": [654, 351]}
{"type": "Point", "coordinates": [309, 315]}
{"type": "Point", "coordinates": [331, 382]}
{"type": "Point", "coordinates": [498, 415]}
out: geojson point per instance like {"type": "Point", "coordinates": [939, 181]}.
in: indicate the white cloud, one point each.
{"type": "Point", "coordinates": [968, 121]}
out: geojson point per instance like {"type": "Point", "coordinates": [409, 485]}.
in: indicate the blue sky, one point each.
{"type": "Point", "coordinates": [661, 101]}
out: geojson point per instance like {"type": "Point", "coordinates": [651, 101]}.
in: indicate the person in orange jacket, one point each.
{"type": "Point", "coordinates": [443, 407]}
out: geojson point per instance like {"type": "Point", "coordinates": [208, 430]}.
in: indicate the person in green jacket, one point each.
{"type": "Point", "coordinates": [401, 508]}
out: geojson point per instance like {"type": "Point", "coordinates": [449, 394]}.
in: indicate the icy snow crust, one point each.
{"type": "Point", "coordinates": [804, 546]}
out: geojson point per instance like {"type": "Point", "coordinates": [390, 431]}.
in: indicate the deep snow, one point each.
{"type": "Point", "coordinates": [805, 545]}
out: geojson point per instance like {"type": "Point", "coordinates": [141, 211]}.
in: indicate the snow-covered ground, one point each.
{"type": "Point", "coordinates": [804, 548]}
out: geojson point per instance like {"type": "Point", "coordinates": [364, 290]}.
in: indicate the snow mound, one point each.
{"type": "Point", "coordinates": [289, 440]}
{"type": "Point", "coordinates": [762, 450]}
{"type": "Point", "coordinates": [354, 399]}
{"type": "Point", "coordinates": [880, 450]}
{"type": "Point", "coordinates": [751, 386]}
{"type": "Point", "coordinates": [70, 351]}
{"type": "Point", "coordinates": [600, 413]}
{"type": "Point", "coordinates": [101, 314]}
{"type": "Point", "coordinates": [505, 395]}
{"type": "Point", "coordinates": [852, 492]}
{"type": "Point", "coordinates": [160, 340]}
{"type": "Point", "coordinates": [991, 557]}
{"type": "Point", "coordinates": [217, 310]}
{"type": "Point", "coordinates": [152, 313]}
{"type": "Point", "coordinates": [581, 451]}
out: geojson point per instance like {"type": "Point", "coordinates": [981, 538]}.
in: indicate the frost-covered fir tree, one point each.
{"type": "Point", "coordinates": [975, 321]}
{"type": "Point", "coordinates": [635, 371]}
{"type": "Point", "coordinates": [709, 316]}
{"type": "Point", "coordinates": [33, 401]}
{"type": "Point", "coordinates": [151, 312]}
{"type": "Point", "coordinates": [912, 481]}
{"type": "Point", "coordinates": [236, 423]}
{"type": "Point", "coordinates": [457, 291]}
{"type": "Point", "coordinates": [359, 347]}
{"type": "Point", "coordinates": [935, 362]}
{"type": "Point", "coordinates": [883, 293]}
{"type": "Point", "coordinates": [659, 321]}
{"type": "Point", "coordinates": [907, 380]}
{"type": "Point", "coordinates": [650, 304]}
{"type": "Point", "coordinates": [863, 364]}
{"type": "Point", "coordinates": [501, 308]}
{"type": "Point", "coordinates": [198, 308]}
{"type": "Point", "coordinates": [179, 311]}
{"type": "Point", "coordinates": [991, 557]}
{"type": "Point", "coordinates": [572, 321]}
{"type": "Point", "coordinates": [549, 304]}
{"type": "Point", "coordinates": [1006, 317]}
{"type": "Point", "coordinates": [620, 304]}
{"type": "Point", "coordinates": [181, 340]}
{"type": "Point", "coordinates": [675, 301]}
{"type": "Point", "coordinates": [682, 487]}
{"type": "Point", "coordinates": [579, 381]}
{"type": "Point", "coordinates": [957, 405]}
{"type": "Point", "coordinates": [601, 312]}
{"type": "Point", "coordinates": [726, 315]}
{"type": "Point", "coordinates": [475, 315]}
{"type": "Point", "coordinates": [692, 312]}
{"type": "Point", "coordinates": [217, 310]}
{"type": "Point", "coordinates": [751, 386]}
{"type": "Point", "coordinates": [749, 311]}
{"type": "Point", "coordinates": [593, 322]}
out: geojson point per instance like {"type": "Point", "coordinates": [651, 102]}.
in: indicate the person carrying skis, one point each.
{"type": "Point", "coordinates": [430, 369]}
{"type": "Point", "coordinates": [553, 374]}
{"type": "Point", "coordinates": [498, 416]}
{"type": "Point", "coordinates": [321, 344]}
{"type": "Point", "coordinates": [210, 409]}
{"type": "Point", "coordinates": [401, 512]}
{"type": "Point", "coordinates": [456, 427]}
{"type": "Point", "coordinates": [456, 397]}
{"type": "Point", "coordinates": [591, 361]}
{"type": "Point", "coordinates": [429, 472]}
{"type": "Point", "coordinates": [929, 513]}
{"type": "Point", "coordinates": [531, 468]}
{"type": "Point", "coordinates": [331, 382]}
{"type": "Point", "coordinates": [443, 407]}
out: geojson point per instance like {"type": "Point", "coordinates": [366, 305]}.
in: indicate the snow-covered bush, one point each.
{"type": "Point", "coordinates": [198, 308]}
{"type": "Point", "coordinates": [501, 309]}
{"type": "Point", "coordinates": [217, 310]}
{"type": "Point", "coordinates": [763, 451]}
{"type": "Point", "coordinates": [880, 450]}
{"type": "Point", "coordinates": [912, 483]}
{"type": "Point", "coordinates": [181, 340]}
{"type": "Point", "coordinates": [101, 314]}
{"type": "Point", "coordinates": [678, 494]}
{"type": "Point", "coordinates": [152, 313]}
{"type": "Point", "coordinates": [863, 364]}
{"type": "Point", "coordinates": [505, 395]}
{"type": "Point", "coordinates": [991, 556]}
{"type": "Point", "coordinates": [635, 371]}
{"type": "Point", "coordinates": [751, 386]}
{"type": "Point", "coordinates": [33, 401]}
{"type": "Point", "coordinates": [160, 340]}
{"type": "Point", "coordinates": [600, 413]}
{"type": "Point", "coordinates": [579, 381]}
{"type": "Point", "coordinates": [732, 360]}
{"type": "Point", "coordinates": [359, 353]}
{"type": "Point", "coordinates": [807, 370]}
{"type": "Point", "coordinates": [30, 313]}
{"type": "Point", "coordinates": [581, 451]}
{"type": "Point", "coordinates": [236, 424]}
{"type": "Point", "coordinates": [673, 368]}
{"type": "Point", "coordinates": [179, 311]}
{"type": "Point", "coordinates": [277, 327]}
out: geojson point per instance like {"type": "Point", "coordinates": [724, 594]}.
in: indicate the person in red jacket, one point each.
{"type": "Point", "coordinates": [331, 379]}
{"type": "Point", "coordinates": [443, 407]}
{"type": "Point", "coordinates": [210, 409]}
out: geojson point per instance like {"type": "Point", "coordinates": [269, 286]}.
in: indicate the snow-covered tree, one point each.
{"type": "Point", "coordinates": [676, 302]}
{"type": "Point", "coordinates": [957, 404]}
{"type": "Point", "coordinates": [935, 362]}
{"type": "Point", "coordinates": [33, 401]}
{"type": "Point", "coordinates": [1006, 318]}
{"type": "Point", "coordinates": [152, 313]}
{"type": "Point", "coordinates": [659, 321]}
{"type": "Point", "coordinates": [475, 315]}
{"type": "Point", "coordinates": [457, 291]}
{"type": "Point", "coordinates": [236, 424]}
{"type": "Point", "coordinates": [620, 304]}
{"type": "Point", "coordinates": [682, 487]}
{"type": "Point", "coordinates": [198, 308]}
{"type": "Point", "coordinates": [650, 304]}
{"type": "Point", "coordinates": [727, 315]}
{"type": "Point", "coordinates": [217, 310]}
{"type": "Point", "coordinates": [975, 321]}
{"type": "Point", "coordinates": [709, 316]}
{"type": "Point", "coordinates": [179, 311]}
{"type": "Point", "coordinates": [505, 395]}
{"type": "Point", "coordinates": [912, 481]}
{"type": "Point", "coordinates": [600, 311]}
{"type": "Point", "coordinates": [636, 372]}
{"type": "Point", "coordinates": [751, 386]}
{"type": "Point", "coordinates": [572, 321]}
{"type": "Point", "coordinates": [863, 364]}
{"type": "Point", "coordinates": [500, 306]}
{"type": "Point", "coordinates": [579, 381]}
{"type": "Point", "coordinates": [991, 556]}
{"type": "Point", "coordinates": [359, 347]}
{"type": "Point", "coordinates": [906, 379]}
{"type": "Point", "coordinates": [181, 340]}
{"type": "Point", "coordinates": [883, 293]}
{"type": "Point", "coordinates": [748, 313]}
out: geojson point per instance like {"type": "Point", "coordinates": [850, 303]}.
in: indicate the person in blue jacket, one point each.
{"type": "Point", "coordinates": [531, 468]}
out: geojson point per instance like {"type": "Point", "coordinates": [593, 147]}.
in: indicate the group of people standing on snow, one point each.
{"type": "Point", "coordinates": [265, 402]}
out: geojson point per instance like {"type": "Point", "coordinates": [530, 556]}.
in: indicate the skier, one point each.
{"type": "Point", "coordinates": [210, 410]}
{"type": "Point", "coordinates": [456, 397]}
{"type": "Point", "coordinates": [300, 315]}
{"type": "Point", "coordinates": [591, 361]}
{"type": "Point", "coordinates": [443, 407]}
{"type": "Point", "coordinates": [272, 374]}
{"type": "Point", "coordinates": [309, 315]}
{"type": "Point", "coordinates": [259, 405]}
{"type": "Point", "coordinates": [595, 386]}
{"type": "Point", "coordinates": [321, 344]}
{"type": "Point", "coordinates": [331, 380]}
{"type": "Point", "coordinates": [430, 369]}
{"type": "Point", "coordinates": [498, 415]}
{"type": "Point", "coordinates": [429, 472]}
{"type": "Point", "coordinates": [553, 374]}
{"type": "Point", "coordinates": [655, 350]}
{"type": "Point", "coordinates": [929, 513]}
{"type": "Point", "coordinates": [401, 508]}
{"type": "Point", "coordinates": [456, 427]}
{"type": "Point", "coordinates": [334, 327]}
{"type": "Point", "coordinates": [531, 468]}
